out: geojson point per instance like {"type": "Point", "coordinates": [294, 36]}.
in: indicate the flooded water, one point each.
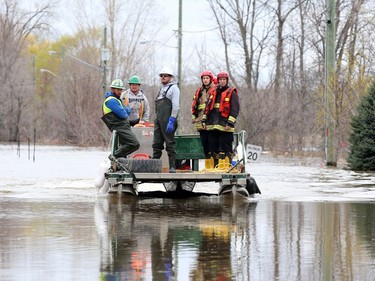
{"type": "Point", "coordinates": [309, 223]}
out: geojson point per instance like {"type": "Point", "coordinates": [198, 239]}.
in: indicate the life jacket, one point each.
{"type": "Point", "coordinates": [225, 102]}
{"type": "Point", "coordinates": [196, 106]}
{"type": "Point", "coordinates": [106, 109]}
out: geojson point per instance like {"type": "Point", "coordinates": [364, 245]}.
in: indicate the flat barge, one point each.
{"type": "Point", "coordinates": [125, 175]}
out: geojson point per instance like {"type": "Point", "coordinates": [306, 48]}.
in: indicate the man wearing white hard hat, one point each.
{"type": "Point", "coordinates": [167, 105]}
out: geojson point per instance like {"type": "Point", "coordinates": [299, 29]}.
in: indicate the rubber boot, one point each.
{"type": "Point", "coordinates": [172, 164]}
{"type": "Point", "coordinates": [215, 157]}
{"type": "Point", "coordinates": [208, 162]}
{"type": "Point", "coordinates": [222, 164]}
{"type": "Point", "coordinates": [228, 159]}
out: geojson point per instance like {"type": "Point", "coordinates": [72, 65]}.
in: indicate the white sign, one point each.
{"type": "Point", "coordinates": [253, 152]}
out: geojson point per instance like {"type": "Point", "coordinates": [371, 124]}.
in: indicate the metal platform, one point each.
{"type": "Point", "coordinates": [225, 178]}
{"type": "Point", "coordinates": [233, 180]}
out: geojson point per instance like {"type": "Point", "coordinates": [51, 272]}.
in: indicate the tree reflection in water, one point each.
{"type": "Point", "coordinates": [226, 238]}
{"type": "Point", "coordinates": [165, 239]}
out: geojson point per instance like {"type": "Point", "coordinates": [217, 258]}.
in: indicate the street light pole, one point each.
{"type": "Point", "coordinates": [74, 58]}
{"type": "Point", "coordinates": [104, 60]}
{"type": "Point", "coordinates": [48, 71]}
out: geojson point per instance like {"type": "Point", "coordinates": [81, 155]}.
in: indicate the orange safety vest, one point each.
{"type": "Point", "coordinates": [225, 102]}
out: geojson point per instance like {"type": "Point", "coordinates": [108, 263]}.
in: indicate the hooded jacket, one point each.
{"type": "Point", "coordinates": [115, 105]}
{"type": "Point", "coordinates": [138, 105]}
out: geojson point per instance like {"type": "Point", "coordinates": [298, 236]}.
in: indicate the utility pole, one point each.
{"type": "Point", "coordinates": [104, 61]}
{"type": "Point", "coordinates": [179, 42]}
{"type": "Point", "coordinates": [330, 105]}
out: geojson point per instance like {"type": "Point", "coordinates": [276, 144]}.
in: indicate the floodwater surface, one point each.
{"type": "Point", "coordinates": [309, 223]}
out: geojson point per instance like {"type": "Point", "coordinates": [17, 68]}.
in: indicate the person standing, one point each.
{"type": "Point", "coordinates": [198, 110]}
{"type": "Point", "coordinates": [167, 105]}
{"type": "Point", "coordinates": [115, 116]}
{"type": "Point", "coordinates": [220, 116]}
{"type": "Point", "coordinates": [136, 100]}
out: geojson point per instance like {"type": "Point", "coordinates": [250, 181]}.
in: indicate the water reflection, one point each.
{"type": "Point", "coordinates": [164, 239]}
{"type": "Point", "coordinates": [309, 223]}
{"type": "Point", "coordinates": [212, 238]}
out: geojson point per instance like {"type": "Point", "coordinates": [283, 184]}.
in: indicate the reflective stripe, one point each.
{"type": "Point", "coordinates": [232, 119]}
{"type": "Point", "coordinates": [221, 128]}
{"type": "Point", "coordinates": [198, 126]}
{"type": "Point", "coordinates": [201, 106]}
{"type": "Point", "coordinates": [216, 105]}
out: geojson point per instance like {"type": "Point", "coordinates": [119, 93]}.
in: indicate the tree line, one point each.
{"type": "Point", "coordinates": [274, 52]}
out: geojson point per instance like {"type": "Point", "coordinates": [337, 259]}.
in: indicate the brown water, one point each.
{"type": "Point", "coordinates": [309, 223]}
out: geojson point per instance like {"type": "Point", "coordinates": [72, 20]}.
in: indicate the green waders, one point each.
{"type": "Point", "coordinates": [163, 108]}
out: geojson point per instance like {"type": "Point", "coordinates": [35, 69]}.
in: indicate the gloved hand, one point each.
{"type": "Point", "coordinates": [127, 109]}
{"type": "Point", "coordinates": [170, 126]}
{"type": "Point", "coordinates": [229, 126]}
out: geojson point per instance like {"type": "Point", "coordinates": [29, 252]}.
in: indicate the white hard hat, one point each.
{"type": "Point", "coordinates": [166, 70]}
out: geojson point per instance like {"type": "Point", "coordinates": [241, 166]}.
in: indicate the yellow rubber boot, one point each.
{"type": "Point", "coordinates": [227, 163]}
{"type": "Point", "coordinates": [221, 165]}
{"type": "Point", "coordinates": [209, 163]}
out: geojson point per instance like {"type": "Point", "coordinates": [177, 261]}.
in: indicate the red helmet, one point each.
{"type": "Point", "coordinates": [222, 74]}
{"type": "Point", "coordinates": [207, 73]}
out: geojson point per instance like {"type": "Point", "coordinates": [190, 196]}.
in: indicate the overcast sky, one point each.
{"type": "Point", "coordinates": [197, 21]}
{"type": "Point", "coordinates": [196, 18]}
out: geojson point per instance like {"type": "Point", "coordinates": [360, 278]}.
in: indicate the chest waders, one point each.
{"type": "Point", "coordinates": [127, 139]}
{"type": "Point", "coordinates": [163, 109]}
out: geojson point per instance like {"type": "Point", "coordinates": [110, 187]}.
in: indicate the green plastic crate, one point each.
{"type": "Point", "coordinates": [189, 147]}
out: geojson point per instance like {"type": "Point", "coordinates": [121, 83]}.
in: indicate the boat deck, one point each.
{"type": "Point", "coordinates": [129, 178]}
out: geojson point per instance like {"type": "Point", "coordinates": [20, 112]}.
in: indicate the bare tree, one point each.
{"type": "Point", "coordinates": [76, 96]}
{"type": "Point", "coordinates": [16, 82]}
{"type": "Point", "coordinates": [128, 23]}
{"type": "Point", "coordinates": [245, 27]}
{"type": "Point", "coordinates": [267, 47]}
{"type": "Point", "coordinates": [347, 70]}
{"type": "Point", "coordinates": [281, 16]}
{"type": "Point", "coordinates": [239, 24]}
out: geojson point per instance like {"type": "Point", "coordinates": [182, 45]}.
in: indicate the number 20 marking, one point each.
{"type": "Point", "coordinates": [252, 156]}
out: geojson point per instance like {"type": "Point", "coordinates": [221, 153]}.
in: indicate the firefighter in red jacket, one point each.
{"type": "Point", "coordinates": [220, 116]}
{"type": "Point", "coordinates": [198, 110]}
